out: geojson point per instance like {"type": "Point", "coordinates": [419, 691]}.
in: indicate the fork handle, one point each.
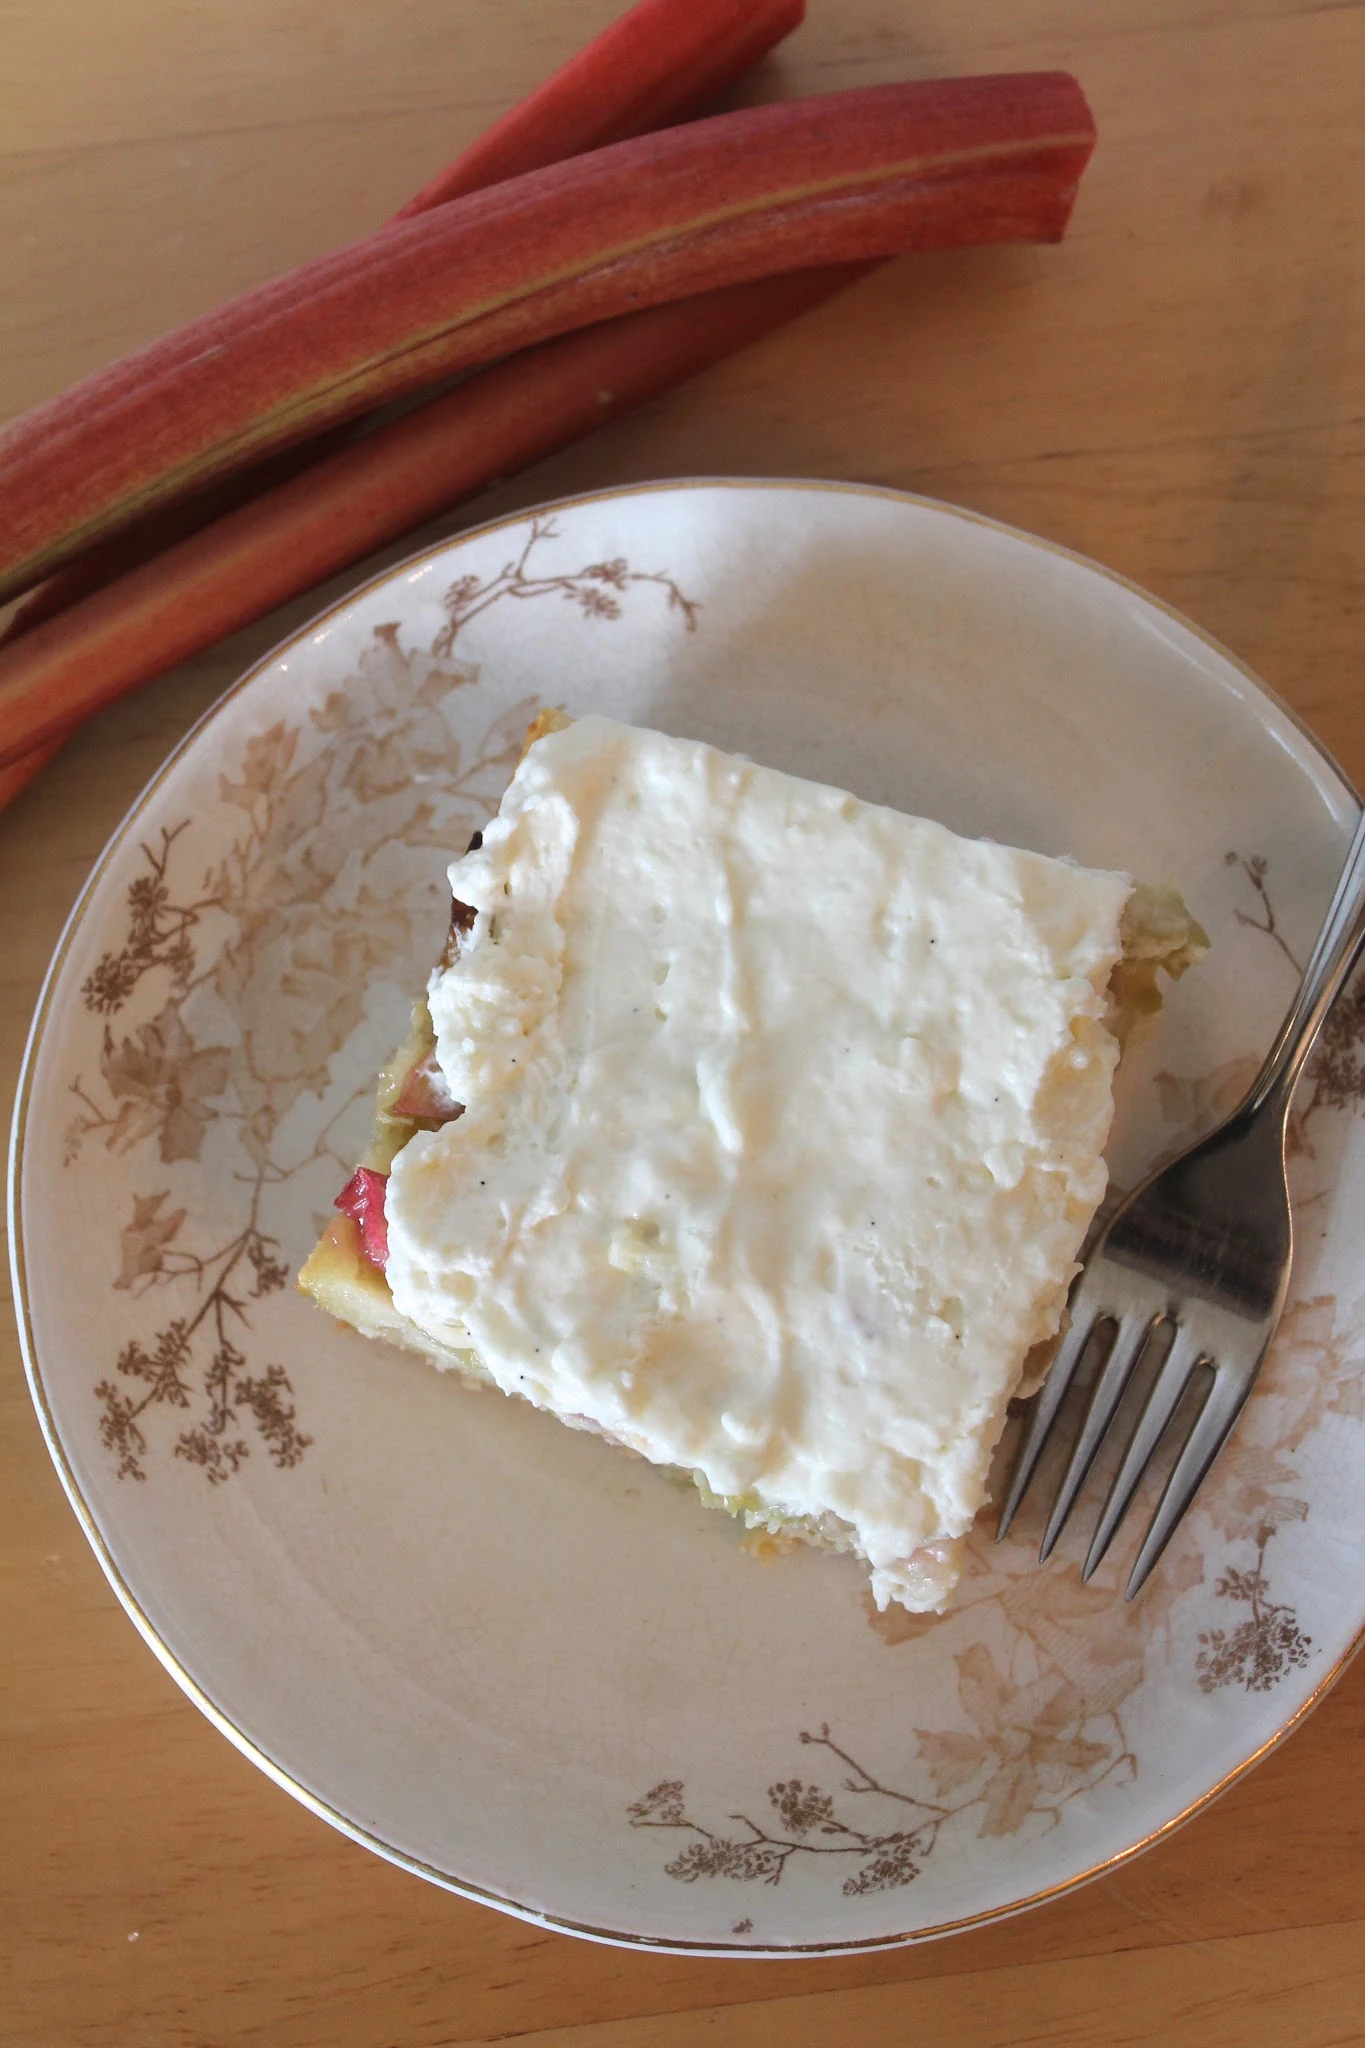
{"type": "Point", "coordinates": [1333, 956]}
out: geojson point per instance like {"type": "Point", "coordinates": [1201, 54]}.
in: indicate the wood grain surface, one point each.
{"type": "Point", "coordinates": [1179, 391]}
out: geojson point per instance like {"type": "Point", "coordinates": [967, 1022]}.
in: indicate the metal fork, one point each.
{"type": "Point", "coordinates": [1196, 1259]}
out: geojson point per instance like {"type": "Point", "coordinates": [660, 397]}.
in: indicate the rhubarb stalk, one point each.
{"type": "Point", "coordinates": [657, 64]}
{"type": "Point", "coordinates": [660, 63]}
{"type": "Point", "coordinates": [651, 68]}
{"type": "Point", "coordinates": [849, 177]}
{"type": "Point", "coordinates": [368, 493]}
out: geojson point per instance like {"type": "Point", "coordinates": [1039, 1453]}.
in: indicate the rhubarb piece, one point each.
{"type": "Point", "coordinates": [660, 63]}
{"type": "Point", "coordinates": [425, 1095]}
{"type": "Point", "coordinates": [850, 177]}
{"type": "Point", "coordinates": [362, 1199]}
{"type": "Point", "coordinates": [343, 508]}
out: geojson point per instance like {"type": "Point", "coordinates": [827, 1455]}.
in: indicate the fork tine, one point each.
{"type": "Point", "coordinates": [1162, 1402]}
{"type": "Point", "coordinates": [1129, 1343]}
{"type": "Point", "coordinates": [1043, 1413]}
{"type": "Point", "coordinates": [1207, 1435]}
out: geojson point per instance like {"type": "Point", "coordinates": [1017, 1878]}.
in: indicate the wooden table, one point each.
{"type": "Point", "coordinates": [1179, 391]}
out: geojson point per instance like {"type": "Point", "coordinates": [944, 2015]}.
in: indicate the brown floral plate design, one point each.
{"type": "Point", "coordinates": [507, 1657]}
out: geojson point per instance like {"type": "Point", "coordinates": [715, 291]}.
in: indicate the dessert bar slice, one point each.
{"type": "Point", "coordinates": [756, 1128]}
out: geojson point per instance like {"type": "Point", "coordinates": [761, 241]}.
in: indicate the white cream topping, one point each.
{"type": "Point", "coordinates": [783, 1129]}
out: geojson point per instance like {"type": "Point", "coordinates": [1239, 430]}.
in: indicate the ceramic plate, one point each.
{"type": "Point", "coordinates": [508, 1657]}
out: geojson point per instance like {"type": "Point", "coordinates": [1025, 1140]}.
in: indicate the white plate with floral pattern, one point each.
{"type": "Point", "coordinates": [498, 1652]}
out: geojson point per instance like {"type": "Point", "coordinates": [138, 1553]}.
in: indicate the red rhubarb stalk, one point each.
{"type": "Point", "coordinates": [657, 65]}
{"type": "Point", "coordinates": [370, 492]}
{"type": "Point", "coordinates": [133, 545]}
{"type": "Point", "coordinates": [846, 178]}
{"type": "Point", "coordinates": [654, 66]}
